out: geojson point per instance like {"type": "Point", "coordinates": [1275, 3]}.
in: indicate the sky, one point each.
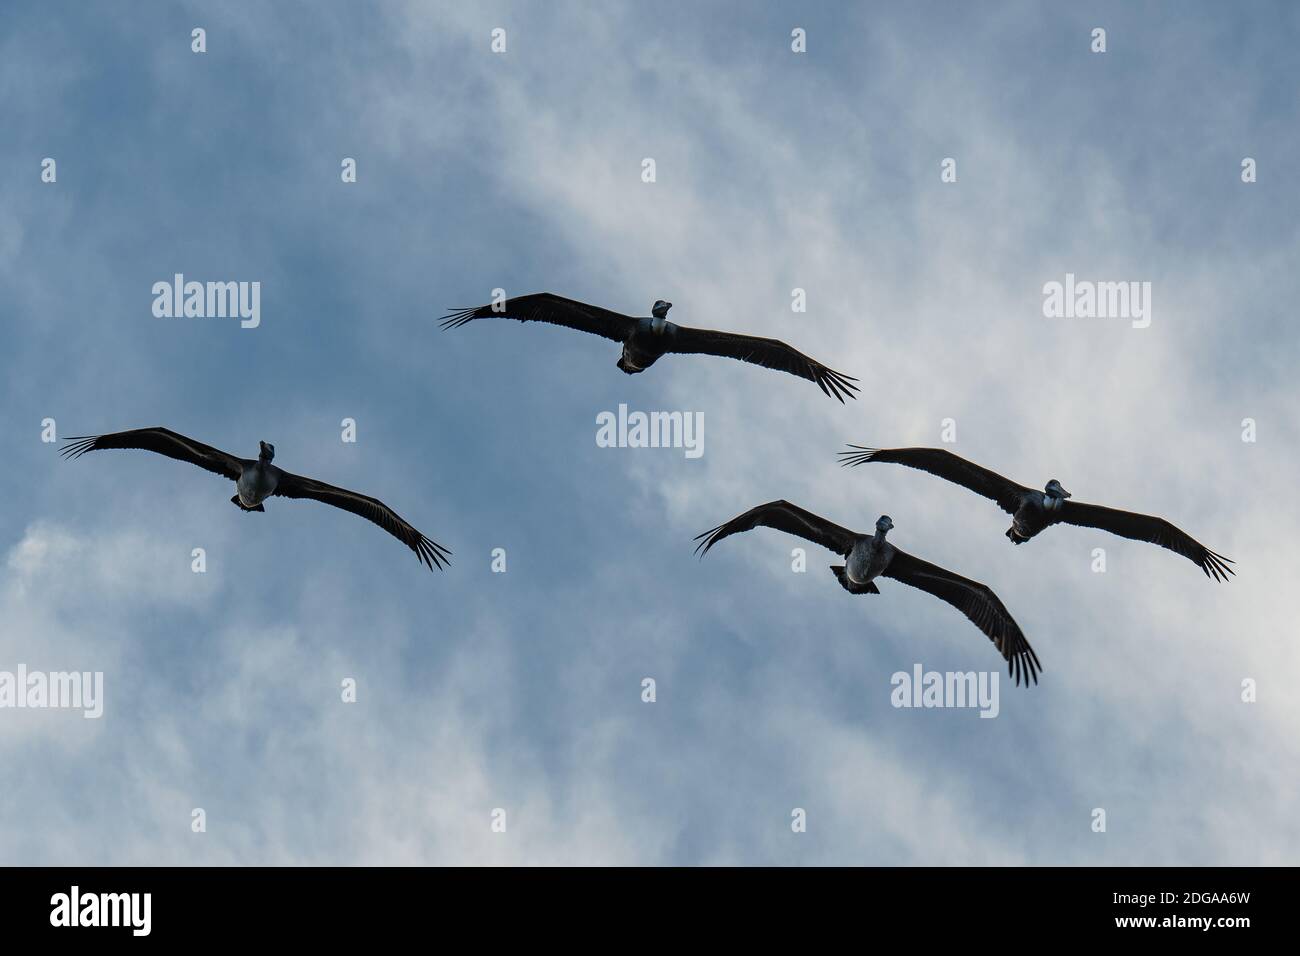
{"type": "Point", "coordinates": [479, 691]}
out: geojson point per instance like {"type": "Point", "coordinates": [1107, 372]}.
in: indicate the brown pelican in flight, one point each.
{"type": "Point", "coordinates": [255, 481]}
{"type": "Point", "coordinates": [1032, 511]}
{"type": "Point", "coordinates": [869, 556]}
{"type": "Point", "coordinates": [644, 340]}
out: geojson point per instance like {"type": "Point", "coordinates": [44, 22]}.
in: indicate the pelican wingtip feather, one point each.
{"type": "Point", "coordinates": [857, 455]}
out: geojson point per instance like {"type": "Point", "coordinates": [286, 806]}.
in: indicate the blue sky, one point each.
{"type": "Point", "coordinates": [522, 690]}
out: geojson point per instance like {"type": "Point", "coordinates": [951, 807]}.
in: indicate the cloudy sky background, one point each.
{"type": "Point", "coordinates": [522, 690]}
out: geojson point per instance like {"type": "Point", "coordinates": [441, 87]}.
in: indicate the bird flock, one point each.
{"type": "Point", "coordinates": [644, 341]}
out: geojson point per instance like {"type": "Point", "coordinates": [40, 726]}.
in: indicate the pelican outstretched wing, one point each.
{"type": "Point", "coordinates": [769, 353]}
{"type": "Point", "coordinates": [372, 509]}
{"type": "Point", "coordinates": [978, 602]}
{"type": "Point", "coordinates": [1139, 527]}
{"type": "Point", "coordinates": [954, 468]}
{"type": "Point", "coordinates": [550, 308]}
{"type": "Point", "coordinates": [784, 517]}
{"type": "Point", "coordinates": [163, 441]}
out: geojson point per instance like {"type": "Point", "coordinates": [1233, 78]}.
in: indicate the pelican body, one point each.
{"type": "Point", "coordinates": [648, 341]}
{"type": "Point", "coordinates": [1037, 511]}
{"type": "Point", "coordinates": [869, 558]}
{"type": "Point", "coordinates": [257, 480]}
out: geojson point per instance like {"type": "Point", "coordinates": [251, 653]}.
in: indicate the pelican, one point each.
{"type": "Point", "coordinates": [1032, 511]}
{"type": "Point", "coordinates": [870, 556]}
{"type": "Point", "coordinates": [644, 340]}
{"type": "Point", "coordinates": [255, 481]}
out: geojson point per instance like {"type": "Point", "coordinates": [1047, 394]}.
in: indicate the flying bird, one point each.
{"type": "Point", "coordinates": [871, 556]}
{"type": "Point", "coordinates": [645, 340]}
{"type": "Point", "coordinates": [1032, 511]}
{"type": "Point", "coordinates": [255, 481]}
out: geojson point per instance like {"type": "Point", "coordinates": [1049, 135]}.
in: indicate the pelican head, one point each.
{"type": "Point", "coordinates": [885, 523]}
{"type": "Point", "coordinates": [660, 310]}
{"type": "Point", "coordinates": [1054, 490]}
{"type": "Point", "coordinates": [267, 451]}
